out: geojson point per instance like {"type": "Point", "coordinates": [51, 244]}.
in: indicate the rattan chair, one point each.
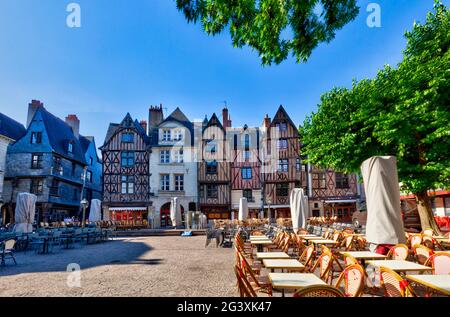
{"type": "Point", "coordinates": [325, 265]}
{"type": "Point", "coordinates": [7, 251]}
{"type": "Point", "coordinates": [440, 262]}
{"type": "Point", "coordinates": [244, 287]}
{"type": "Point", "coordinates": [307, 257]}
{"type": "Point", "coordinates": [319, 291]}
{"type": "Point", "coordinates": [422, 253]}
{"type": "Point", "coordinates": [394, 285]}
{"type": "Point", "coordinates": [353, 278]}
{"type": "Point", "coordinates": [398, 252]}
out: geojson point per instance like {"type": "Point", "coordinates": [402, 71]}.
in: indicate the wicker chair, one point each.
{"type": "Point", "coordinates": [398, 252]}
{"type": "Point", "coordinates": [415, 239]}
{"type": "Point", "coordinates": [350, 260]}
{"type": "Point", "coordinates": [319, 291]}
{"type": "Point", "coordinates": [353, 278]}
{"type": "Point", "coordinates": [394, 285]}
{"type": "Point", "coordinates": [8, 251]}
{"type": "Point", "coordinates": [428, 232]}
{"type": "Point", "coordinates": [307, 257]}
{"type": "Point", "coordinates": [258, 283]}
{"type": "Point", "coordinates": [325, 265]}
{"type": "Point", "coordinates": [422, 253]}
{"type": "Point", "coordinates": [440, 262]}
{"type": "Point", "coordinates": [244, 286]}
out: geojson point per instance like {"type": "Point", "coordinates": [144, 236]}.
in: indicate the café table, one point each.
{"type": "Point", "coordinates": [272, 255]}
{"type": "Point", "coordinates": [400, 266]}
{"type": "Point", "coordinates": [364, 255]}
{"type": "Point", "coordinates": [313, 238]}
{"type": "Point", "coordinates": [259, 238]}
{"type": "Point", "coordinates": [323, 241]}
{"type": "Point", "coordinates": [283, 264]}
{"type": "Point", "coordinates": [261, 244]}
{"type": "Point", "coordinates": [439, 283]}
{"type": "Point", "coordinates": [293, 281]}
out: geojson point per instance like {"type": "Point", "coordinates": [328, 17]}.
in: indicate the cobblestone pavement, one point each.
{"type": "Point", "coordinates": [142, 266]}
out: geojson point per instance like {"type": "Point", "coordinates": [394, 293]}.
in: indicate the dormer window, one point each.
{"type": "Point", "coordinates": [127, 137]}
{"type": "Point", "coordinates": [36, 138]}
{"type": "Point", "coordinates": [282, 126]}
{"type": "Point", "coordinates": [167, 135]}
{"type": "Point", "coordinates": [70, 148]}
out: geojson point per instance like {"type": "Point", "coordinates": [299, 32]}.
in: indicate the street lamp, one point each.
{"type": "Point", "coordinates": [269, 214]}
{"type": "Point", "coordinates": [84, 204]}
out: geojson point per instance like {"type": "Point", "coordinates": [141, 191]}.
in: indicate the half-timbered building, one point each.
{"type": "Point", "coordinates": [281, 163]}
{"type": "Point", "coordinates": [245, 168]}
{"type": "Point", "coordinates": [333, 194]}
{"type": "Point", "coordinates": [214, 170]}
{"type": "Point", "coordinates": [126, 174]}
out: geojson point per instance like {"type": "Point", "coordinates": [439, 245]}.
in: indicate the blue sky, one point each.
{"type": "Point", "coordinates": [129, 55]}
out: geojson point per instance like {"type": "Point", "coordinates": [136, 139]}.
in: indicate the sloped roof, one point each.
{"type": "Point", "coordinates": [11, 128]}
{"type": "Point", "coordinates": [60, 134]}
{"type": "Point", "coordinates": [126, 123]}
{"type": "Point", "coordinates": [282, 115]}
{"type": "Point", "coordinates": [214, 121]}
{"type": "Point", "coordinates": [176, 116]}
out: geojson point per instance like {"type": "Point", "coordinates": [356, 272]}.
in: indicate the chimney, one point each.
{"type": "Point", "coordinates": [155, 116]}
{"type": "Point", "coordinates": [32, 108]}
{"type": "Point", "coordinates": [143, 124]}
{"type": "Point", "coordinates": [226, 122]}
{"type": "Point", "coordinates": [73, 122]}
{"type": "Point", "coordinates": [266, 123]}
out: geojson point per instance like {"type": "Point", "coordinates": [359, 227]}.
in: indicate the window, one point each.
{"type": "Point", "coordinates": [247, 142]}
{"type": "Point", "coordinates": [127, 137]}
{"type": "Point", "coordinates": [36, 138]}
{"type": "Point", "coordinates": [298, 164]}
{"type": "Point", "coordinates": [178, 135]}
{"type": "Point", "coordinates": [247, 193]}
{"type": "Point", "coordinates": [282, 126]}
{"type": "Point", "coordinates": [211, 147]}
{"type": "Point", "coordinates": [36, 161]}
{"type": "Point", "coordinates": [211, 167]}
{"type": "Point", "coordinates": [179, 182]}
{"type": "Point", "coordinates": [341, 181]}
{"type": "Point", "coordinates": [165, 182]}
{"type": "Point", "coordinates": [235, 142]}
{"type": "Point", "coordinates": [91, 160]}
{"type": "Point", "coordinates": [283, 165]}
{"type": "Point", "coordinates": [165, 157]}
{"type": "Point", "coordinates": [282, 190]}
{"type": "Point", "coordinates": [127, 184]}
{"type": "Point", "coordinates": [179, 156]}
{"type": "Point", "coordinates": [54, 189]}
{"type": "Point", "coordinates": [37, 186]}
{"type": "Point", "coordinates": [89, 176]}
{"type": "Point", "coordinates": [247, 155]}
{"type": "Point", "coordinates": [282, 144]}
{"type": "Point", "coordinates": [246, 173]}
{"type": "Point", "coordinates": [57, 166]}
{"type": "Point", "coordinates": [127, 159]}
{"type": "Point", "coordinates": [212, 191]}
{"type": "Point", "coordinates": [167, 135]}
{"type": "Point", "coordinates": [319, 180]}
{"type": "Point", "coordinates": [70, 148]}
{"type": "Point", "coordinates": [74, 167]}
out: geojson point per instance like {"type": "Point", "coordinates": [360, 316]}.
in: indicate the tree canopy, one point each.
{"type": "Point", "coordinates": [274, 28]}
{"type": "Point", "coordinates": [403, 111]}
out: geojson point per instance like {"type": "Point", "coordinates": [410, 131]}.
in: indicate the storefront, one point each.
{"type": "Point", "coordinates": [342, 209]}
{"type": "Point", "coordinates": [129, 216]}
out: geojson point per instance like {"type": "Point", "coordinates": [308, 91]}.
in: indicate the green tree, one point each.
{"type": "Point", "coordinates": [274, 28]}
{"type": "Point", "coordinates": [404, 111]}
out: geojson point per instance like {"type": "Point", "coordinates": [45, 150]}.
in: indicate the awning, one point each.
{"type": "Point", "coordinates": [128, 209]}
{"type": "Point", "coordinates": [344, 201]}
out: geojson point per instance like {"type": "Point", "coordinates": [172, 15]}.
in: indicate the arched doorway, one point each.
{"type": "Point", "coordinates": [165, 215]}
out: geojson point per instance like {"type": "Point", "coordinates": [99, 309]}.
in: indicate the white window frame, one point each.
{"type": "Point", "coordinates": [166, 135]}
{"type": "Point", "coordinates": [179, 156]}
{"type": "Point", "coordinates": [179, 182]}
{"type": "Point", "coordinates": [164, 157]}
{"type": "Point", "coordinates": [164, 182]}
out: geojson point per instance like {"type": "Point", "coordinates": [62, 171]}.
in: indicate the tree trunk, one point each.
{"type": "Point", "coordinates": [426, 215]}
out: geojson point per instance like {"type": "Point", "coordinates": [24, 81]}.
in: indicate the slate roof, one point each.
{"type": "Point", "coordinates": [60, 134]}
{"type": "Point", "coordinates": [11, 128]}
{"type": "Point", "coordinates": [282, 115]}
{"type": "Point", "coordinates": [177, 116]}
